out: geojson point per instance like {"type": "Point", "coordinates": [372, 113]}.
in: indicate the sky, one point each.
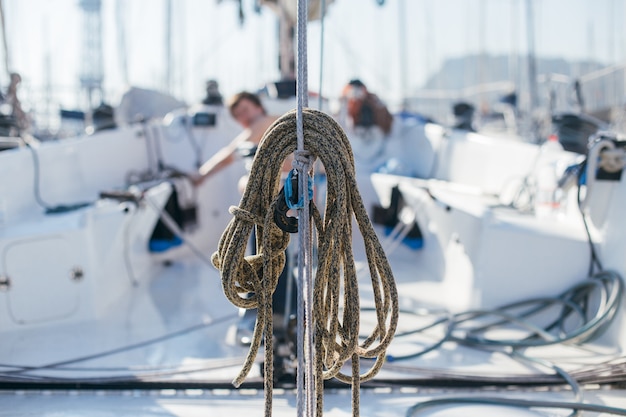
{"type": "Point", "coordinates": [393, 48]}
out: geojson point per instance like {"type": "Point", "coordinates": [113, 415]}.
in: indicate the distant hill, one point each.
{"type": "Point", "coordinates": [469, 70]}
{"type": "Point", "coordinates": [458, 79]}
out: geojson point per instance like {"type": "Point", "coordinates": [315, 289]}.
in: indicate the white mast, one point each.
{"type": "Point", "coordinates": [92, 72]}
{"type": "Point", "coordinates": [532, 65]}
{"type": "Point", "coordinates": [286, 34]}
{"type": "Point", "coordinates": [4, 39]}
{"type": "Point", "coordinates": [168, 46]}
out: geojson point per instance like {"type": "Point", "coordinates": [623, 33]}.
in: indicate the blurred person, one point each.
{"type": "Point", "coordinates": [247, 109]}
{"type": "Point", "coordinates": [12, 99]}
{"type": "Point", "coordinates": [364, 109]}
{"type": "Point", "coordinates": [213, 96]}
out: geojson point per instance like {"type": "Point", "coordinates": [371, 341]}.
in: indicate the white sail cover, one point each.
{"type": "Point", "coordinates": [143, 104]}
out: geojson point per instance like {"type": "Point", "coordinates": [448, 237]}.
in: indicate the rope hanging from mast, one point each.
{"type": "Point", "coordinates": [328, 323]}
{"type": "Point", "coordinates": [336, 294]}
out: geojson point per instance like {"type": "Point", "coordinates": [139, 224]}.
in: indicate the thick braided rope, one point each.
{"type": "Point", "coordinates": [336, 294]}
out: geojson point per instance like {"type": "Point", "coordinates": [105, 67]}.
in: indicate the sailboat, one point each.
{"type": "Point", "coordinates": [507, 258]}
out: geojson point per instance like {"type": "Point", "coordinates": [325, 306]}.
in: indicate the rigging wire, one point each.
{"type": "Point", "coordinates": [303, 164]}
{"type": "Point", "coordinates": [156, 374]}
{"type": "Point", "coordinates": [594, 259]}
{"type": "Point", "coordinates": [467, 328]}
{"type": "Point", "coordinates": [162, 338]}
{"type": "Point", "coordinates": [113, 369]}
{"type": "Point", "coordinates": [320, 98]}
{"type": "Point", "coordinates": [5, 44]}
{"type": "Point", "coordinates": [515, 402]}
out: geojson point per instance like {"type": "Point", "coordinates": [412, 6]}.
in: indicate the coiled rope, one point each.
{"type": "Point", "coordinates": [336, 318]}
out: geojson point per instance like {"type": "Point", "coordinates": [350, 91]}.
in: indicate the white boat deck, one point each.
{"type": "Point", "coordinates": [175, 334]}
{"type": "Point", "coordinates": [135, 333]}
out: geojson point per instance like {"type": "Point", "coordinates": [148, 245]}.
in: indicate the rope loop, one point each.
{"type": "Point", "coordinates": [244, 215]}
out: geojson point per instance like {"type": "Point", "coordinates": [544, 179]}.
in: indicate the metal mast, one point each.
{"type": "Point", "coordinates": [91, 71]}
{"type": "Point", "coordinates": [532, 66]}
{"type": "Point", "coordinates": [169, 82]}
